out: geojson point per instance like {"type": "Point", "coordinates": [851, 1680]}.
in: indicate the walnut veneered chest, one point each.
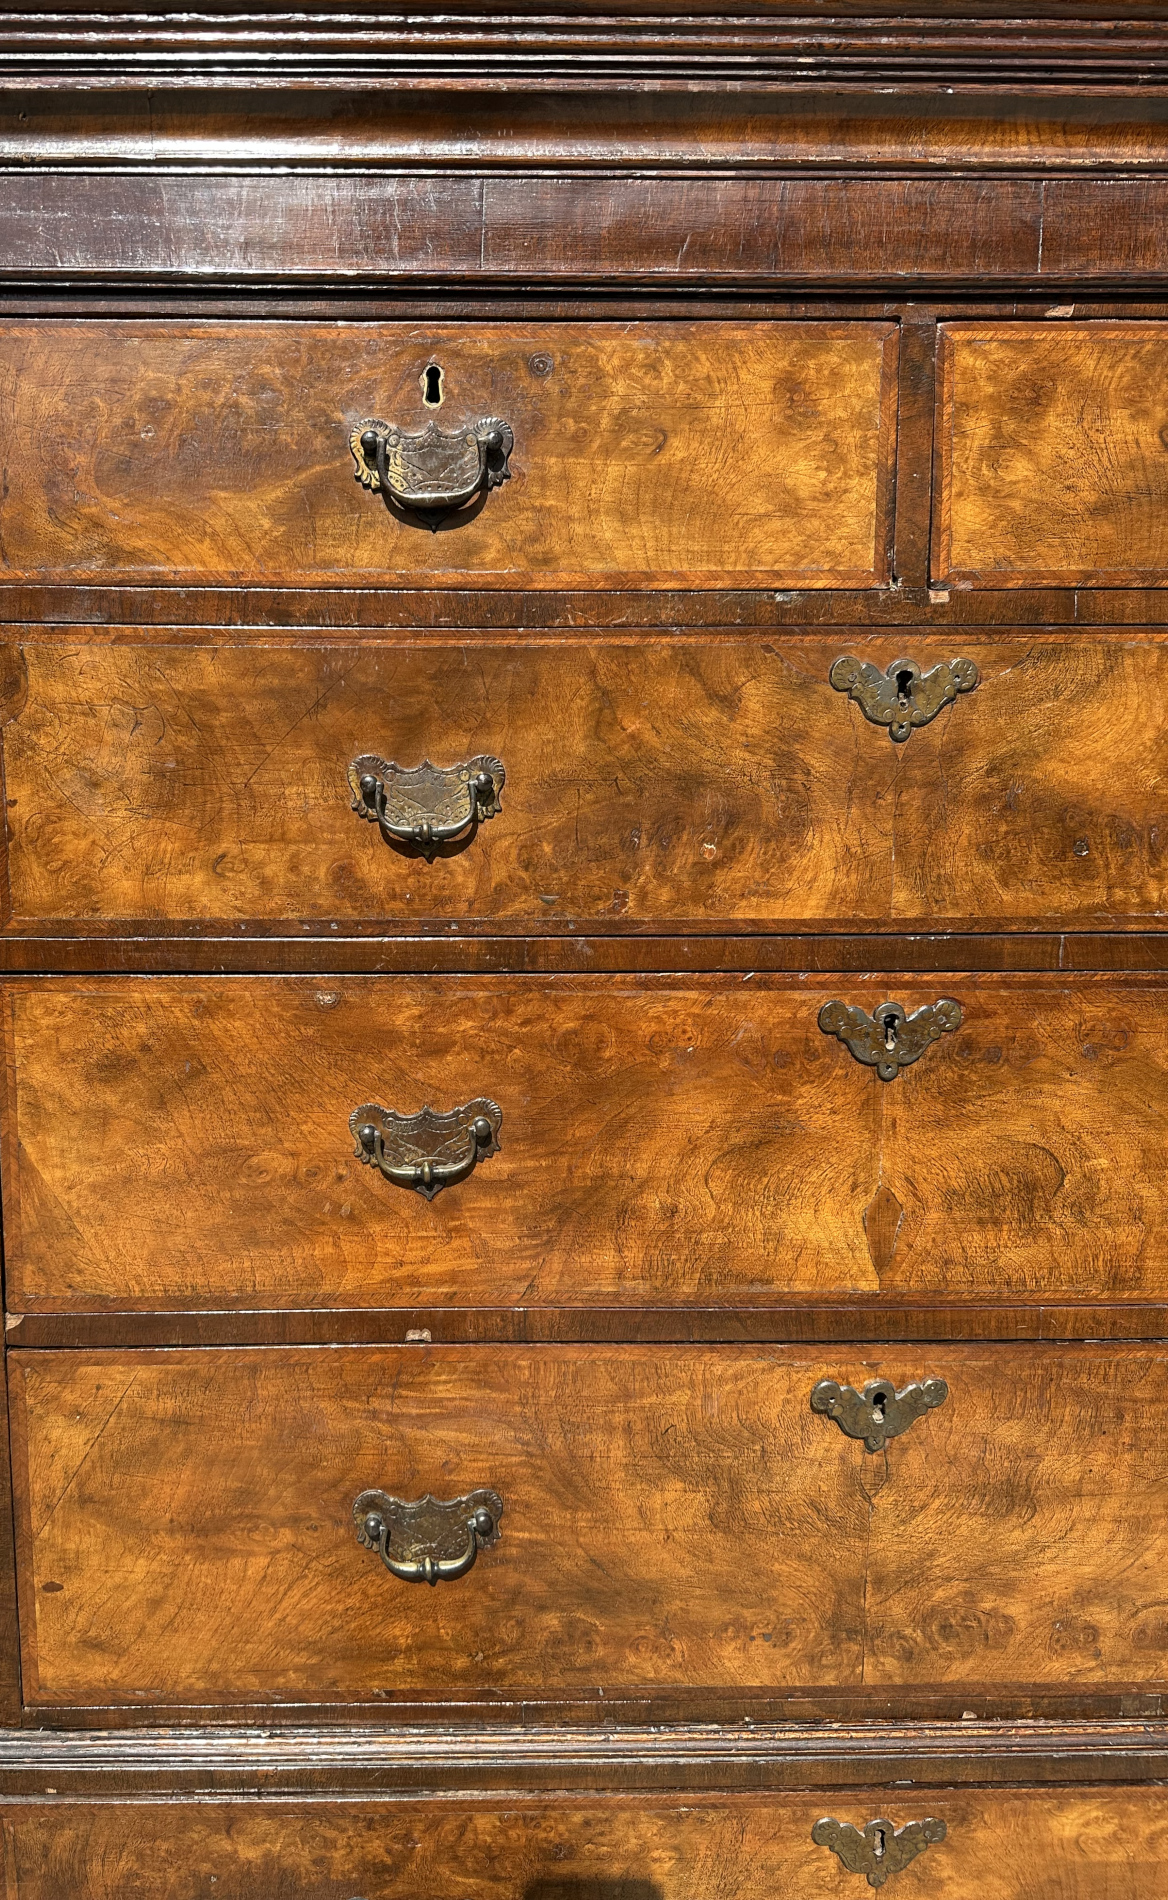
{"type": "Point", "coordinates": [584, 741]}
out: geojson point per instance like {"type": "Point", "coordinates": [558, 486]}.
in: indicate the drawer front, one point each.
{"type": "Point", "coordinates": [671, 1518]}
{"type": "Point", "coordinates": [1053, 455]}
{"type": "Point", "coordinates": [1079, 1844]}
{"type": "Point", "coordinates": [227, 452]}
{"type": "Point", "coordinates": [188, 1143]}
{"type": "Point", "coordinates": [669, 783]}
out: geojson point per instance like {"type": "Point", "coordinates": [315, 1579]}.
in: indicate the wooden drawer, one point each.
{"type": "Point", "coordinates": [187, 1143]}
{"type": "Point", "coordinates": [1079, 1844]}
{"type": "Point", "coordinates": [672, 1519]}
{"type": "Point", "coordinates": [1052, 455]}
{"type": "Point", "coordinates": [647, 783]}
{"type": "Point", "coordinates": [220, 452]}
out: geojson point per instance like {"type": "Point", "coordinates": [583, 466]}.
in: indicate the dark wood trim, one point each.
{"type": "Point", "coordinates": [706, 229]}
{"type": "Point", "coordinates": [250, 612]}
{"type": "Point", "coordinates": [711, 1708]}
{"type": "Point", "coordinates": [758, 125]}
{"type": "Point", "coordinates": [478, 1761]}
{"type": "Point", "coordinates": [869, 1321]}
{"type": "Point", "coordinates": [709, 228]}
{"type": "Point", "coordinates": [628, 42]}
{"type": "Point", "coordinates": [328, 953]}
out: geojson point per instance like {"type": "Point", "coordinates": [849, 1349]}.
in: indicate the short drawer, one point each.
{"type": "Point", "coordinates": [745, 782]}
{"type": "Point", "coordinates": [191, 1143]}
{"type": "Point", "coordinates": [218, 1526]}
{"type": "Point", "coordinates": [547, 455]}
{"type": "Point", "coordinates": [998, 1844]}
{"type": "Point", "coordinates": [1052, 455]}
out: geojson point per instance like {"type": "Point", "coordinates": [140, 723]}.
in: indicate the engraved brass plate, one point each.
{"type": "Point", "coordinates": [902, 697]}
{"type": "Point", "coordinates": [433, 471]}
{"type": "Point", "coordinates": [426, 805]}
{"type": "Point", "coordinates": [878, 1850]}
{"type": "Point", "coordinates": [879, 1412]}
{"type": "Point", "coordinates": [428, 1151]}
{"type": "Point", "coordinates": [889, 1039]}
{"type": "Point", "coordinates": [430, 1540]}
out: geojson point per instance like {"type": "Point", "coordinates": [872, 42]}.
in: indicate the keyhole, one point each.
{"type": "Point", "coordinates": [432, 380]}
{"type": "Point", "coordinates": [890, 1032]}
{"type": "Point", "coordinates": [879, 1401]}
{"type": "Point", "coordinates": [904, 682]}
{"type": "Point", "coordinates": [878, 1844]}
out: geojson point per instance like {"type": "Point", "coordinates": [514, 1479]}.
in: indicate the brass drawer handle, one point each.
{"type": "Point", "coordinates": [433, 471]}
{"type": "Point", "coordinates": [878, 1850]}
{"type": "Point", "coordinates": [879, 1412]}
{"type": "Point", "coordinates": [434, 1541]}
{"type": "Point", "coordinates": [428, 1151]}
{"type": "Point", "coordinates": [426, 805]}
{"type": "Point", "coordinates": [903, 696]}
{"type": "Point", "coordinates": [889, 1039]}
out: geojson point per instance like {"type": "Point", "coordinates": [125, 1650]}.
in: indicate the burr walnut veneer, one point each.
{"type": "Point", "coordinates": [584, 953]}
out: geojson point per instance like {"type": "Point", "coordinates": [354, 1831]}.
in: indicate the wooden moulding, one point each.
{"type": "Point", "coordinates": [950, 231]}
{"type": "Point", "coordinates": [629, 42]}
{"type": "Point", "coordinates": [501, 1754]}
{"type": "Point", "coordinates": [748, 128]}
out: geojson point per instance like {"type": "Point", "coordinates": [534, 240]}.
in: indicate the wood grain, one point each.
{"type": "Point", "coordinates": [480, 129]}
{"type": "Point", "coordinates": [671, 784]}
{"type": "Point", "coordinates": [1092, 1842]}
{"type": "Point", "coordinates": [220, 452]}
{"type": "Point", "coordinates": [1052, 464]}
{"type": "Point", "coordinates": [184, 1143]}
{"type": "Point", "coordinates": [672, 1517]}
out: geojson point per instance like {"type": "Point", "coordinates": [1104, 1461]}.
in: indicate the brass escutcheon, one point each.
{"type": "Point", "coordinates": [902, 696]}
{"type": "Point", "coordinates": [890, 1039]}
{"type": "Point", "coordinates": [878, 1850]}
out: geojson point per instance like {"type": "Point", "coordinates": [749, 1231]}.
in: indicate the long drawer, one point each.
{"type": "Point", "coordinates": [751, 783]}
{"type": "Point", "coordinates": [1079, 1844]}
{"type": "Point", "coordinates": [221, 1526]}
{"type": "Point", "coordinates": [263, 1142]}
{"type": "Point", "coordinates": [1052, 455]}
{"type": "Point", "coordinates": [582, 454]}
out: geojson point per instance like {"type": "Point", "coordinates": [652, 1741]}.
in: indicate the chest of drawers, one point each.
{"type": "Point", "coordinates": [584, 741]}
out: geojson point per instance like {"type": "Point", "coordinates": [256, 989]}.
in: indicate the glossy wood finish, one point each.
{"type": "Point", "coordinates": [673, 1517]}
{"type": "Point", "coordinates": [492, 130]}
{"type": "Point", "coordinates": [184, 1143]}
{"type": "Point", "coordinates": [1110, 45]}
{"type": "Point", "coordinates": [650, 783]}
{"type": "Point", "coordinates": [414, 231]}
{"type": "Point", "coordinates": [1053, 470]}
{"type": "Point", "coordinates": [220, 452]}
{"type": "Point", "coordinates": [1092, 1842]}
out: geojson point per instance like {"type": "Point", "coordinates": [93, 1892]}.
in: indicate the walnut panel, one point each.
{"type": "Point", "coordinates": [672, 1517]}
{"type": "Point", "coordinates": [651, 783]}
{"type": "Point", "coordinates": [219, 452]}
{"type": "Point", "coordinates": [1092, 1842]}
{"type": "Point", "coordinates": [184, 1143]}
{"type": "Point", "coordinates": [1052, 455]}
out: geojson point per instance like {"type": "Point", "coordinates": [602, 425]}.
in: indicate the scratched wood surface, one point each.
{"type": "Point", "coordinates": [1085, 1844]}
{"type": "Point", "coordinates": [184, 1143]}
{"type": "Point", "coordinates": [649, 783]}
{"type": "Point", "coordinates": [674, 1516]}
{"type": "Point", "coordinates": [1052, 455]}
{"type": "Point", "coordinates": [219, 452]}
